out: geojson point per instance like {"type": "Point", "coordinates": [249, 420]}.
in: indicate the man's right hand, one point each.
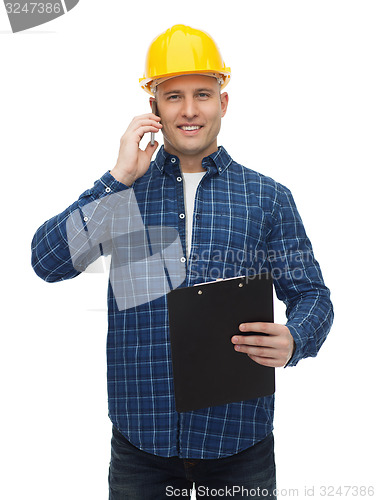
{"type": "Point", "coordinates": [132, 161]}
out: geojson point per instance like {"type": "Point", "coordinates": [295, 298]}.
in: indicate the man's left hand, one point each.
{"type": "Point", "coordinates": [274, 349]}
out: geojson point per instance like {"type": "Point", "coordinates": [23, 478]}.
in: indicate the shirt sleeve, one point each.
{"type": "Point", "coordinates": [67, 243]}
{"type": "Point", "coordinates": [298, 279]}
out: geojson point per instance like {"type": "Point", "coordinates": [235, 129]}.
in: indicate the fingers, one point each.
{"type": "Point", "coordinates": [273, 349]}
{"type": "Point", "coordinates": [150, 146]}
{"type": "Point", "coordinates": [141, 131]}
{"type": "Point", "coordinates": [271, 362]}
{"type": "Point", "coordinates": [141, 125]}
{"type": "Point", "coordinates": [259, 327]}
{"type": "Point", "coordinates": [146, 116]}
{"type": "Point", "coordinates": [147, 123]}
{"type": "Point", "coordinates": [132, 161]}
{"type": "Point", "coordinates": [145, 120]}
{"type": "Point", "coordinates": [262, 352]}
{"type": "Point", "coordinates": [150, 149]}
{"type": "Point", "coordinates": [255, 341]}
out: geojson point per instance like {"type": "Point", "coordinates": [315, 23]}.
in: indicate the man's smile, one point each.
{"type": "Point", "coordinates": [190, 129]}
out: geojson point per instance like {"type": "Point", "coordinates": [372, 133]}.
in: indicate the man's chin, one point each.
{"type": "Point", "coordinates": [191, 149]}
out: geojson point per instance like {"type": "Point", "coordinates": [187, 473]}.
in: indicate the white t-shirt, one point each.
{"type": "Point", "coordinates": [191, 181]}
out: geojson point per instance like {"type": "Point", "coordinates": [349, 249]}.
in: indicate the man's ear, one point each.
{"type": "Point", "coordinates": [224, 103]}
{"type": "Point", "coordinates": [151, 99]}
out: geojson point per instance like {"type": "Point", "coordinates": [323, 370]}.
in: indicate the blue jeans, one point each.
{"type": "Point", "coordinates": [137, 475]}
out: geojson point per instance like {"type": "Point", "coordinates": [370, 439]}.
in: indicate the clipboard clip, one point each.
{"type": "Point", "coordinates": [219, 279]}
{"type": "Point", "coordinates": [241, 284]}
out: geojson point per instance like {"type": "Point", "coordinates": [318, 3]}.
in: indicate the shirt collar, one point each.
{"type": "Point", "coordinates": [218, 161]}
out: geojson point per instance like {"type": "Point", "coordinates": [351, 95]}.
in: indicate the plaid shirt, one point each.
{"type": "Point", "coordinates": [244, 223]}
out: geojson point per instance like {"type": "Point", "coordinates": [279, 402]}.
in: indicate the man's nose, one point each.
{"type": "Point", "coordinates": [189, 108]}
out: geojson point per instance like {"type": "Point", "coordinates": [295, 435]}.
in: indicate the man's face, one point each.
{"type": "Point", "coordinates": [191, 108]}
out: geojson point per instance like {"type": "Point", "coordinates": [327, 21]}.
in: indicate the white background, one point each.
{"type": "Point", "coordinates": [302, 110]}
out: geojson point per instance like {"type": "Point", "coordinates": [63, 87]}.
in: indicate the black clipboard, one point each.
{"type": "Point", "coordinates": [207, 370]}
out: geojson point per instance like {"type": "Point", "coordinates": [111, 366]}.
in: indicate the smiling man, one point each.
{"type": "Point", "coordinates": [192, 107]}
{"type": "Point", "coordinates": [218, 208]}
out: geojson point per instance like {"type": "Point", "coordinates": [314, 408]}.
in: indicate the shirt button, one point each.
{"type": "Point", "coordinates": [86, 219]}
{"type": "Point", "coordinates": [182, 259]}
{"type": "Point", "coordinates": [182, 216]}
{"type": "Point", "coordinates": [173, 160]}
{"type": "Point", "coordinates": [179, 179]}
{"type": "Point", "coordinates": [220, 169]}
{"type": "Point", "coordinates": [108, 190]}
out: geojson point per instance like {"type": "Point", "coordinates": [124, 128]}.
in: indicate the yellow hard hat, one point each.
{"type": "Point", "coordinates": [182, 50]}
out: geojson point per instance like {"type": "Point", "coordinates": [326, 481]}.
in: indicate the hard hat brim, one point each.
{"type": "Point", "coordinates": [146, 83]}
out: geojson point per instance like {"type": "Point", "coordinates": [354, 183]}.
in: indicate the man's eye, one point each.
{"type": "Point", "coordinates": [172, 97]}
{"type": "Point", "coordinates": [203, 95]}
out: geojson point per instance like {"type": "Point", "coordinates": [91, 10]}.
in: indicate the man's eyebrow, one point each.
{"type": "Point", "coordinates": [204, 90]}
{"type": "Point", "coordinates": [172, 92]}
{"type": "Point", "coordinates": [181, 91]}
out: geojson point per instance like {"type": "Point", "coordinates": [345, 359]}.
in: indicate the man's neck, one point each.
{"type": "Point", "coordinates": [190, 164]}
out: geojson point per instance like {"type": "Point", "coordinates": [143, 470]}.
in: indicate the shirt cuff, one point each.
{"type": "Point", "coordinates": [102, 188]}
{"type": "Point", "coordinates": [108, 184]}
{"type": "Point", "coordinates": [298, 349]}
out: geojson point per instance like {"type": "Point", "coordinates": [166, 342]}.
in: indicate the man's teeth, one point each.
{"type": "Point", "coordinates": [191, 127]}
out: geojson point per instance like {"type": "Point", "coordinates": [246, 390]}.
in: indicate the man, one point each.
{"type": "Point", "coordinates": [216, 207]}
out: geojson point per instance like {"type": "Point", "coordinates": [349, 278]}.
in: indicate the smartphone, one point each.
{"type": "Point", "coordinates": [153, 110]}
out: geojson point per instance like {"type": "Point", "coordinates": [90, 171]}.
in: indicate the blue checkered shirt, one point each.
{"type": "Point", "coordinates": [244, 223]}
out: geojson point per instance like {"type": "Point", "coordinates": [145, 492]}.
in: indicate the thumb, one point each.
{"type": "Point", "coordinates": [149, 150]}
